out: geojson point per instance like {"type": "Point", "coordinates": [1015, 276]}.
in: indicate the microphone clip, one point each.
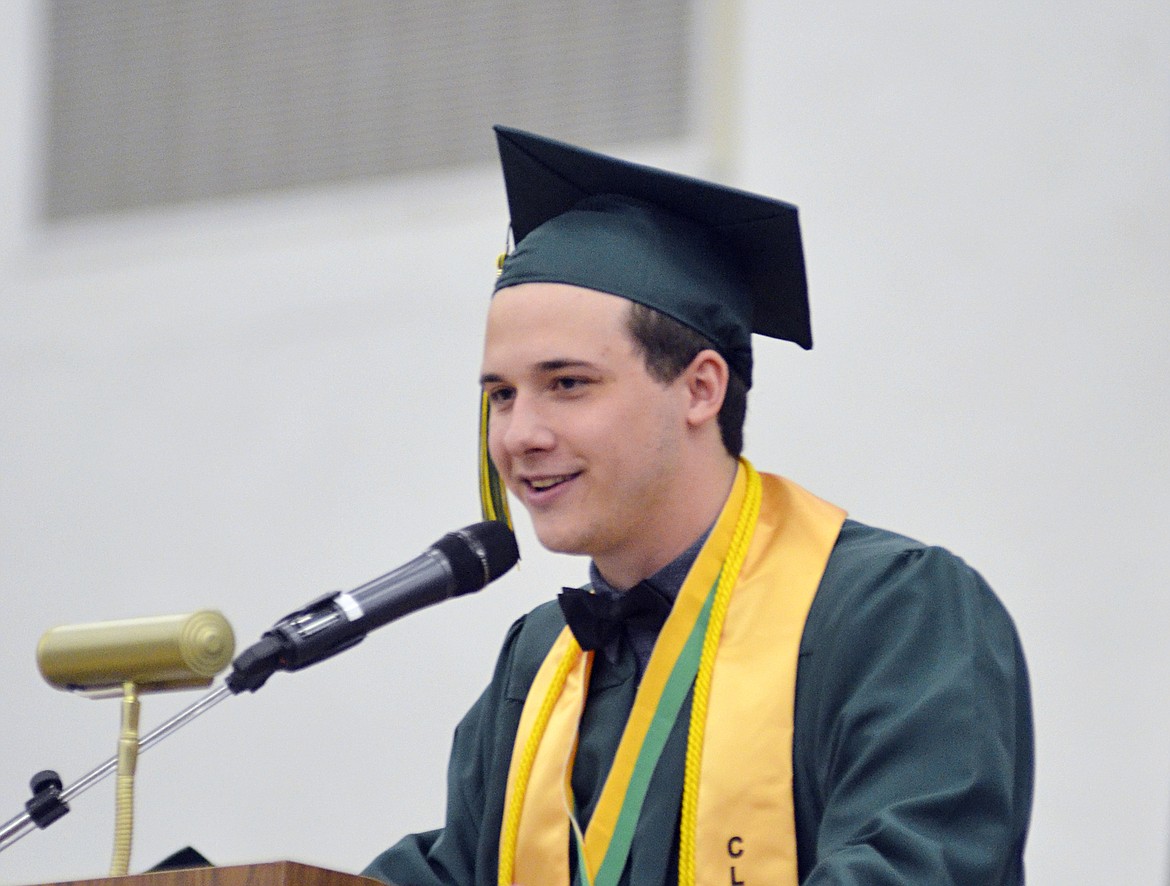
{"type": "Point", "coordinates": [252, 667]}
{"type": "Point", "coordinates": [295, 642]}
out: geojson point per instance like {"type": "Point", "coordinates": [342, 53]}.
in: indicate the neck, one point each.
{"type": "Point", "coordinates": [666, 535]}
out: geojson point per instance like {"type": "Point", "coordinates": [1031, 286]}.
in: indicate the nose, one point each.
{"type": "Point", "coordinates": [524, 427]}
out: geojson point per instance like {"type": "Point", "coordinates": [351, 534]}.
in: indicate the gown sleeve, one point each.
{"type": "Point", "coordinates": [913, 734]}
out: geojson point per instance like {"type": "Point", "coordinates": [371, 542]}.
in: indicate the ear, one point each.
{"type": "Point", "coordinates": [706, 384]}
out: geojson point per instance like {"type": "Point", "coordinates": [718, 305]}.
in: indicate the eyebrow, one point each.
{"type": "Point", "coordinates": [544, 366]}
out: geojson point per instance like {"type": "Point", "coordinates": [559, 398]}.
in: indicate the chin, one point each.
{"type": "Point", "coordinates": [561, 540]}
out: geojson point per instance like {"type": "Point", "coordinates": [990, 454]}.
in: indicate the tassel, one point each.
{"type": "Point", "coordinates": [493, 497]}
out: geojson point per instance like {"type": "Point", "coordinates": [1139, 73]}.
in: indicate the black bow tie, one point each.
{"type": "Point", "coordinates": [597, 620]}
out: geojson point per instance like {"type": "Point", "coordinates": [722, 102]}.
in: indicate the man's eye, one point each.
{"type": "Point", "coordinates": [569, 384]}
{"type": "Point", "coordinates": [500, 396]}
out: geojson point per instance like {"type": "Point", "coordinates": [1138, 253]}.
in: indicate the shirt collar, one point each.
{"type": "Point", "coordinates": [667, 581]}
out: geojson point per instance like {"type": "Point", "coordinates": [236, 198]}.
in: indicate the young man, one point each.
{"type": "Point", "coordinates": [752, 689]}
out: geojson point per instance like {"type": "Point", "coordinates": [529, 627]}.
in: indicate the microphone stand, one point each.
{"type": "Point", "coordinates": [250, 671]}
{"type": "Point", "coordinates": [320, 630]}
{"type": "Point", "coordinates": [50, 802]}
{"type": "Point", "coordinates": [313, 633]}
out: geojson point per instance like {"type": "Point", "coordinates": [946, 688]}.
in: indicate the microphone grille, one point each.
{"type": "Point", "coordinates": [479, 554]}
{"type": "Point", "coordinates": [499, 544]}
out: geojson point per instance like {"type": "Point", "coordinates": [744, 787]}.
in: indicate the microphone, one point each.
{"type": "Point", "coordinates": [157, 654]}
{"type": "Point", "coordinates": [459, 563]}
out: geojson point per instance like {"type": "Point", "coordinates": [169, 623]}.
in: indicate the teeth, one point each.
{"type": "Point", "coordinates": [546, 482]}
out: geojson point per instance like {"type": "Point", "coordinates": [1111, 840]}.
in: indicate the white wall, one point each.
{"type": "Point", "coordinates": [985, 194]}
{"type": "Point", "coordinates": [242, 406]}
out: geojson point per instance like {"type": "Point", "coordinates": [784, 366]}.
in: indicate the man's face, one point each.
{"type": "Point", "coordinates": [581, 433]}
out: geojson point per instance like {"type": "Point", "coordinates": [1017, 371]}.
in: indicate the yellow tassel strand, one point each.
{"type": "Point", "coordinates": [493, 498]}
{"type": "Point", "coordinates": [741, 540]}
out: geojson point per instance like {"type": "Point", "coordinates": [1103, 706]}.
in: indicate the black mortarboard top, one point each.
{"type": "Point", "coordinates": [722, 261]}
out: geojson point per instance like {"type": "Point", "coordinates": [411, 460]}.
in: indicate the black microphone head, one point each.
{"type": "Point", "coordinates": [479, 554]}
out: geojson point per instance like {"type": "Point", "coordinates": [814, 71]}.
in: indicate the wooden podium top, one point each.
{"type": "Point", "coordinates": [277, 873]}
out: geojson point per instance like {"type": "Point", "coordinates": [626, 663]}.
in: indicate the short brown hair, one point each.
{"type": "Point", "coordinates": [668, 347]}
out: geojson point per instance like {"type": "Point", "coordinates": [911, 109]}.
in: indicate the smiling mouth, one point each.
{"type": "Point", "coordinates": [541, 484]}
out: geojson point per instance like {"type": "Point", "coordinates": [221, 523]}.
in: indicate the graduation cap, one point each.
{"type": "Point", "coordinates": [722, 261]}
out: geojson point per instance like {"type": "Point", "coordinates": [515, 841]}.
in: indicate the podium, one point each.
{"type": "Point", "coordinates": [277, 873]}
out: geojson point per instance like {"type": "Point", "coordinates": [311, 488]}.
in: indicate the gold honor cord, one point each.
{"type": "Point", "coordinates": [519, 788]}
{"type": "Point", "coordinates": [744, 529]}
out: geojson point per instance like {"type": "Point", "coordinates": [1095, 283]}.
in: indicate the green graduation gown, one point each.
{"type": "Point", "coordinates": [912, 753]}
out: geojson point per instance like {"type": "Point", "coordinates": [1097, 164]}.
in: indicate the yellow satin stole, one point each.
{"type": "Point", "coordinates": [742, 826]}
